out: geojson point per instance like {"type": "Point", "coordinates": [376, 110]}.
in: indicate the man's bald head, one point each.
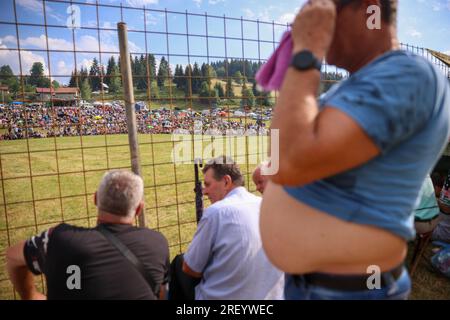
{"type": "Point", "coordinates": [259, 179]}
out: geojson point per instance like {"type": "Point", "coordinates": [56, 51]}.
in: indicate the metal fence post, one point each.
{"type": "Point", "coordinates": [127, 82]}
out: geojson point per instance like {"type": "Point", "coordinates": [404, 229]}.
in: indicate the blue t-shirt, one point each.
{"type": "Point", "coordinates": [402, 102]}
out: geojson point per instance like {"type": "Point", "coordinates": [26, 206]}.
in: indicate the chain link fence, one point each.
{"type": "Point", "coordinates": [62, 117]}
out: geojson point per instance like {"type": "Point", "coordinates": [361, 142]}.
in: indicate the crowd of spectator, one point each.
{"type": "Point", "coordinates": [35, 121]}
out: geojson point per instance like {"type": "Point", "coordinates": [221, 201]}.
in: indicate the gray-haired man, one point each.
{"type": "Point", "coordinates": [82, 263]}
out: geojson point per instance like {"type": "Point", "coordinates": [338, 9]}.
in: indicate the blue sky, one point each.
{"type": "Point", "coordinates": [422, 23]}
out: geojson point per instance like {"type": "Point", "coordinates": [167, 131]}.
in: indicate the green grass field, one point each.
{"type": "Point", "coordinates": [47, 181]}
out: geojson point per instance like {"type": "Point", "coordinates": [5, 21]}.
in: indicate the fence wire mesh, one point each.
{"type": "Point", "coordinates": [62, 120]}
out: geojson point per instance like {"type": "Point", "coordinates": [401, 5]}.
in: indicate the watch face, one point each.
{"type": "Point", "coordinates": [304, 60]}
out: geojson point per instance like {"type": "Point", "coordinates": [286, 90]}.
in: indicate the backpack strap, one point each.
{"type": "Point", "coordinates": [130, 256]}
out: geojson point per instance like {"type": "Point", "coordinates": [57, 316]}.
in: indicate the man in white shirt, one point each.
{"type": "Point", "coordinates": [226, 251]}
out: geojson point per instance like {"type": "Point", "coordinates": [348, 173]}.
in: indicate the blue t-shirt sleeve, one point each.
{"type": "Point", "coordinates": [201, 247]}
{"type": "Point", "coordinates": [389, 101]}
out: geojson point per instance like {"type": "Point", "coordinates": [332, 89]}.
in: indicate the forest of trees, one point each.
{"type": "Point", "coordinates": [192, 80]}
{"type": "Point", "coordinates": [37, 78]}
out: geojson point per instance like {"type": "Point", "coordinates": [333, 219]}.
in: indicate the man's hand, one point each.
{"type": "Point", "coordinates": [313, 28]}
{"type": "Point", "coordinates": [186, 269]}
{"type": "Point", "coordinates": [20, 276]}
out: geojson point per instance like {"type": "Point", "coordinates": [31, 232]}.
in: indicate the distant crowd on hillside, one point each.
{"type": "Point", "coordinates": [33, 121]}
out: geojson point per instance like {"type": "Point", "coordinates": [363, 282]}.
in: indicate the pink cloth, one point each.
{"type": "Point", "coordinates": [270, 76]}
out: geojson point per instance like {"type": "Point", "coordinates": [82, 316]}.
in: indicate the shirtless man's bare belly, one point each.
{"type": "Point", "coordinates": [299, 239]}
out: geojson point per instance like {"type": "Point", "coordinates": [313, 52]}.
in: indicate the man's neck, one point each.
{"type": "Point", "coordinates": [231, 190]}
{"type": "Point", "coordinates": [378, 48]}
{"type": "Point", "coordinates": [106, 217]}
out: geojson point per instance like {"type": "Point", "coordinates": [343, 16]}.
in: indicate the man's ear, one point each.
{"type": "Point", "coordinates": [228, 181]}
{"type": "Point", "coordinates": [139, 208]}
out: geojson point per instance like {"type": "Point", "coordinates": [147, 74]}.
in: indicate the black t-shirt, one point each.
{"type": "Point", "coordinates": [80, 263]}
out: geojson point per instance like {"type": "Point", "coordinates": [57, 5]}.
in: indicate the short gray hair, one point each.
{"type": "Point", "coordinates": [120, 193]}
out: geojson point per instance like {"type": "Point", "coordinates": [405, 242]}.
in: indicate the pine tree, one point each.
{"type": "Point", "coordinates": [37, 77]}
{"type": "Point", "coordinates": [238, 78]}
{"type": "Point", "coordinates": [154, 90]}
{"type": "Point", "coordinates": [109, 69]}
{"type": "Point", "coordinates": [188, 81]}
{"type": "Point", "coordinates": [85, 90]}
{"type": "Point", "coordinates": [229, 93]}
{"type": "Point", "coordinates": [262, 98]}
{"type": "Point", "coordinates": [177, 78]}
{"type": "Point", "coordinates": [248, 69]}
{"type": "Point", "coordinates": [196, 79]}
{"type": "Point", "coordinates": [141, 74]}
{"type": "Point", "coordinates": [204, 71]}
{"type": "Point", "coordinates": [55, 84]}
{"type": "Point", "coordinates": [83, 75]}
{"type": "Point", "coordinates": [94, 75]}
{"type": "Point", "coordinates": [114, 80]}
{"type": "Point", "coordinates": [220, 92]}
{"type": "Point", "coordinates": [221, 73]}
{"type": "Point", "coordinates": [248, 98]}
{"type": "Point", "coordinates": [7, 78]}
{"type": "Point", "coordinates": [152, 66]}
{"type": "Point", "coordinates": [164, 72]}
{"type": "Point", "coordinates": [73, 79]}
{"type": "Point", "coordinates": [206, 95]}
{"type": "Point", "coordinates": [135, 66]}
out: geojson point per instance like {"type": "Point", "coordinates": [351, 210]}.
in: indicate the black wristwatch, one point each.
{"type": "Point", "coordinates": [305, 60]}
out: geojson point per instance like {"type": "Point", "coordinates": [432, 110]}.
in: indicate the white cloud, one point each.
{"type": "Point", "coordinates": [62, 69]}
{"type": "Point", "coordinates": [53, 43]}
{"type": "Point", "coordinates": [214, 2]}
{"type": "Point", "coordinates": [90, 43]}
{"type": "Point", "coordinates": [36, 6]}
{"type": "Point", "coordinates": [248, 13]}
{"type": "Point", "coordinates": [436, 6]}
{"type": "Point", "coordinates": [197, 3]}
{"type": "Point", "coordinates": [39, 42]}
{"type": "Point", "coordinates": [85, 63]}
{"type": "Point", "coordinates": [286, 18]}
{"type": "Point", "coordinates": [32, 5]}
{"type": "Point", "coordinates": [414, 33]}
{"type": "Point", "coordinates": [8, 39]}
{"type": "Point", "coordinates": [84, 43]}
{"type": "Point", "coordinates": [141, 3]}
{"type": "Point", "coordinates": [153, 19]}
{"type": "Point", "coordinates": [11, 58]}
{"type": "Point", "coordinates": [266, 14]}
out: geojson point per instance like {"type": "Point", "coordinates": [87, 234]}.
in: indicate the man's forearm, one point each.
{"type": "Point", "coordinates": [19, 274]}
{"type": "Point", "coordinates": [295, 116]}
{"type": "Point", "coordinates": [23, 281]}
{"type": "Point", "coordinates": [296, 104]}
